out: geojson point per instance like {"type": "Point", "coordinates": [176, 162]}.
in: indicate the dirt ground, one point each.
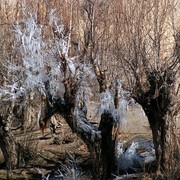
{"type": "Point", "coordinates": [67, 150]}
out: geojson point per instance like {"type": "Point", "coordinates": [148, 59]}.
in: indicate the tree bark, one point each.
{"type": "Point", "coordinates": [7, 144]}
{"type": "Point", "coordinates": [108, 155]}
{"type": "Point", "coordinates": [161, 106]}
{"type": "Point", "coordinates": [170, 154]}
{"type": "Point", "coordinates": [164, 132]}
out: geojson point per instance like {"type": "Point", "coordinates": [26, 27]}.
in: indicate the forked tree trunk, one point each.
{"type": "Point", "coordinates": [100, 141]}
{"type": "Point", "coordinates": [161, 106]}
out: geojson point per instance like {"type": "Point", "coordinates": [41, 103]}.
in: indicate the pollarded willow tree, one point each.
{"type": "Point", "coordinates": [64, 80]}
{"type": "Point", "coordinates": [148, 52]}
{"type": "Point", "coordinates": [44, 66]}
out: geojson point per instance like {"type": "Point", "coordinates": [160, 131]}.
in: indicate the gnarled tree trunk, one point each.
{"type": "Point", "coordinates": [161, 108]}
{"type": "Point", "coordinates": [99, 141]}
